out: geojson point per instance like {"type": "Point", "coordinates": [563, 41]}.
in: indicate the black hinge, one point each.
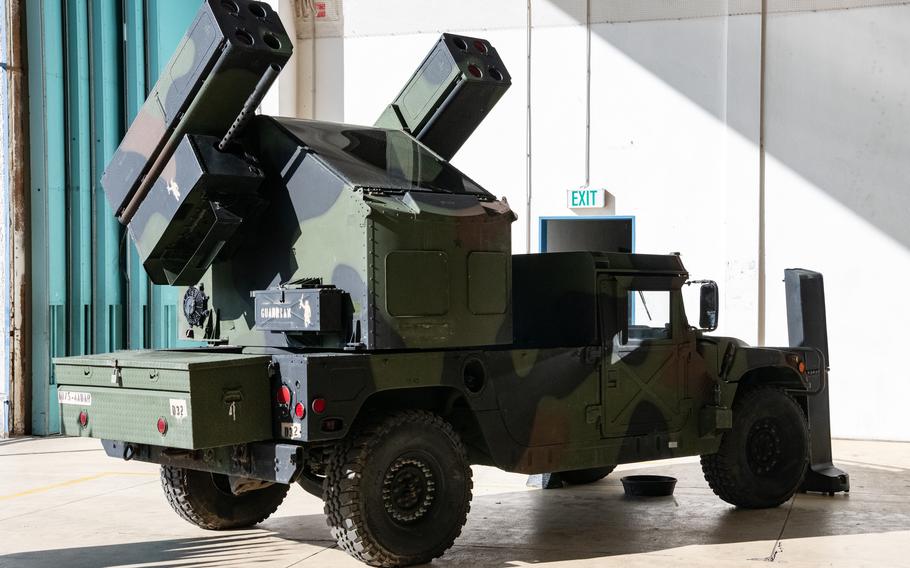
{"type": "Point", "coordinates": [116, 377]}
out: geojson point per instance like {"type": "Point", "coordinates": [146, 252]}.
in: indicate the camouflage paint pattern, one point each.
{"type": "Point", "coordinates": [423, 267]}
{"type": "Point", "coordinates": [202, 198]}
{"type": "Point", "coordinates": [557, 408]}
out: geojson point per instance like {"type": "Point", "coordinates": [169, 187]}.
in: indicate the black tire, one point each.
{"type": "Point", "coordinates": [585, 476]}
{"type": "Point", "coordinates": [205, 499]}
{"type": "Point", "coordinates": [763, 459]}
{"type": "Point", "coordinates": [398, 492]}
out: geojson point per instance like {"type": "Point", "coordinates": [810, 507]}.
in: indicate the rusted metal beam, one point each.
{"type": "Point", "coordinates": [20, 341]}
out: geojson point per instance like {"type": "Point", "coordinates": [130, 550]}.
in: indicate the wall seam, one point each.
{"type": "Point", "coordinates": [588, 94]}
{"type": "Point", "coordinates": [528, 141]}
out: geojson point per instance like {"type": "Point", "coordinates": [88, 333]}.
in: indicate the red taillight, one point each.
{"type": "Point", "coordinates": [162, 426]}
{"type": "Point", "coordinates": [802, 367]}
{"type": "Point", "coordinates": [480, 46]}
{"type": "Point", "coordinates": [300, 410]}
{"type": "Point", "coordinates": [284, 395]}
{"type": "Point", "coordinates": [475, 70]}
{"type": "Point", "coordinates": [83, 419]}
{"type": "Point", "coordinates": [318, 405]}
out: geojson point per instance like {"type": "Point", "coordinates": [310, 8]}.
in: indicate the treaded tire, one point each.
{"type": "Point", "coordinates": [398, 492]}
{"type": "Point", "coordinates": [197, 498]}
{"type": "Point", "coordinates": [763, 459]}
{"type": "Point", "coordinates": [585, 476]}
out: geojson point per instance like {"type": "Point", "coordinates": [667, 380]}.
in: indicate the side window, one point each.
{"type": "Point", "coordinates": [650, 315]}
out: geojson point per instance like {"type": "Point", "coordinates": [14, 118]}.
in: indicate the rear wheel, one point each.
{"type": "Point", "coordinates": [585, 476]}
{"type": "Point", "coordinates": [206, 500]}
{"type": "Point", "coordinates": [763, 459]}
{"type": "Point", "coordinates": [397, 493]}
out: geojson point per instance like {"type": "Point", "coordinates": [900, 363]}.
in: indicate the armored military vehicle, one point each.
{"type": "Point", "coordinates": [369, 335]}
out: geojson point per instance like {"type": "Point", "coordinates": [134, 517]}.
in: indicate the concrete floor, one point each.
{"type": "Point", "coordinates": [64, 503]}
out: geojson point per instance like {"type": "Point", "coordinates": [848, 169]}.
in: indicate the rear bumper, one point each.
{"type": "Point", "coordinates": [265, 461]}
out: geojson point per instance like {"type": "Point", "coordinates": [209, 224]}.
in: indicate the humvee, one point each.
{"type": "Point", "coordinates": [368, 334]}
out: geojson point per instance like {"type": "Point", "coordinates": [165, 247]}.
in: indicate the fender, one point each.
{"type": "Point", "coordinates": [796, 369]}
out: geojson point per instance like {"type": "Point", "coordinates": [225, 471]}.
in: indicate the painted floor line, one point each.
{"type": "Point", "coordinates": [4, 455]}
{"type": "Point", "coordinates": [71, 482]}
{"type": "Point", "coordinates": [25, 514]}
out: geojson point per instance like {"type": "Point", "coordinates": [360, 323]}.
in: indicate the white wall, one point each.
{"type": "Point", "coordinates": [675, 124]}
{"type": "Point", "coordinates": [838, 197]}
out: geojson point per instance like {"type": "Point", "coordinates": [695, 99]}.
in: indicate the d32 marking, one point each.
{"type": "Point", "coordinates": [178, 408]}
{"type": "Point", "coordinates": [291, 430]}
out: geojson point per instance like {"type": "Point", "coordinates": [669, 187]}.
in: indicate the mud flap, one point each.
{"type": "Point", "coordinates": [546, 481]}
{"type": "Point", "coordinates": [807, 327]}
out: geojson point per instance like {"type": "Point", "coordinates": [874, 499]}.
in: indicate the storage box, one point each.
{"type": "Point", "coordinates": [203, 398]}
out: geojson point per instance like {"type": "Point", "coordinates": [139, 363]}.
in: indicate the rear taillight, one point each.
{"type": "Point", "coordinates": [162, 426]}
{"type": "Point", "coordinates": [300, 410]}
{"type": "Point", "coordinates": [284, 395]}
{"type": "Point", "coordinates": [83, 419]}
{"type": "Point", "coordinates": [318, 405]}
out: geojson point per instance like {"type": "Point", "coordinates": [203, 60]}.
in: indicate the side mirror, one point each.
{"type": "Point", "coordinates": [708, 306]}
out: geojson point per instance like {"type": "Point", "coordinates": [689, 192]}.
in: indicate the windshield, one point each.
{"type": "Point", "coordinates": [382, 159]}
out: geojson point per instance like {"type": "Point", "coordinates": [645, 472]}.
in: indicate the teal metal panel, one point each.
{"type": "Point", "coordinates": [135, 92]}
{"type": "Point", "coordinates": [167, 21]}
{"type": "Point", "coordinates": [78, 178]}
{"type": "Point", "coordinates": [107, 129]}
{"type": "Point", "coordinates": [44, 33]}
{"type": "Point", "coordinates": [90, 65]}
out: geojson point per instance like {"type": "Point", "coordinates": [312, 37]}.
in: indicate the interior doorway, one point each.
{"type": "Point", "coordinates": [604, 234]}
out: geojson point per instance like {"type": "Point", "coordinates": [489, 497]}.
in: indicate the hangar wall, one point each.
{"type": "Point", "coordinates": [681, 98]}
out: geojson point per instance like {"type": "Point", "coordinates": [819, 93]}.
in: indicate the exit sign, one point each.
{"type": "Point", "coordinates": [586, 198]}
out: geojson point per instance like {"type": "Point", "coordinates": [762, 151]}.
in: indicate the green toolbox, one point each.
{"type": "Point", "coordinates": [178, 399]}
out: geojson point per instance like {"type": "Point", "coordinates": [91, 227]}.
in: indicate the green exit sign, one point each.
{"type": "Point", "coordinates": [586, 198]}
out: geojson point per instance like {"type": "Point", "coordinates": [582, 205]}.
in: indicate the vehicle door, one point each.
{"type": "Point", "coordinates": [641, 371]}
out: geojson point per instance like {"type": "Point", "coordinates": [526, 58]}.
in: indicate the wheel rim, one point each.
{"type": "Point", "coordinates": [763, 447]}
{"type": "Point", "coordinates": [408, 489]}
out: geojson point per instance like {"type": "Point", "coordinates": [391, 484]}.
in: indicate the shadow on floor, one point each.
{"type": "Point", "coordinates": [235, 548]}
{"type": "Point", "coordinates": [11, 441]}
{"type": "Point", "coordinates": [577, 523]}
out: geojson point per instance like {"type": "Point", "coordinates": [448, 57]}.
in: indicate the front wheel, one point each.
{"type": "Point", "coordinates": [397, 493]}
{"type": "Point", "coordinates": [762, 460]}
{"type": "Point", "coordinates": [206, 500]}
